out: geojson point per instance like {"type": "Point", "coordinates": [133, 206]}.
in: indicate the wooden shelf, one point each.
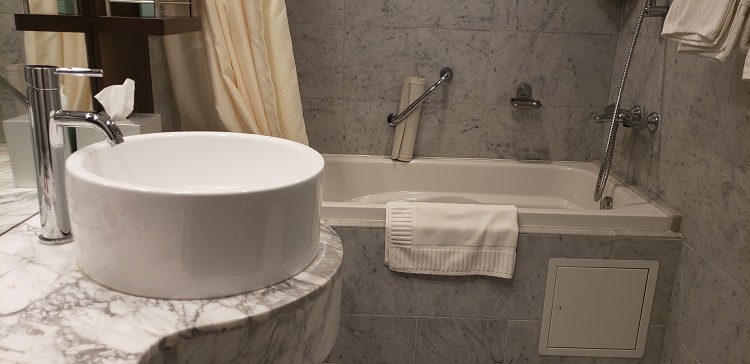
{"type": "Point", "coordinates": [108, 24]}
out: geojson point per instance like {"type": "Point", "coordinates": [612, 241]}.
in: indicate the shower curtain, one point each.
{"type": "Point", "coordinates": [61, 50]}
{"type": "Point", "coordinates": [238, 73]}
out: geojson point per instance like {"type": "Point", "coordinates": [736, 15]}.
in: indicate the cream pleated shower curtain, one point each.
{"type": "Point", "coordinates": [61, 50]}
{"type": "Point", "coordinates": [238, 74]}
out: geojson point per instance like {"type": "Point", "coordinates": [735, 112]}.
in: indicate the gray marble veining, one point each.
{"type": "Point", "coordinates": [16, 204]}
{"type": "Point", "coordinates": [467, 297]}
{"type": "Point", "coordinates": [449, 130]}
{"type": "Point", "coordinates": [323, 122]}
{"type": "Point", "coordinates": [318, 55]}
{"type": "Point", "coordinates": [586, 70]}
{"type": "Point", "coordinates": [375, 339]}
{"type": "Point", "coordinates": [593, 16]}
{"type": "Point", "coordinates": [511, 133]}
{"type": "Point", "coordinates": [399, 13]}
{"type": "Point", "coordinates": [365, 128]}
{"type": "Point", "coordinates": [467, 14]}
{"type": "Point", "coordinates": [315, 12]}
{"type": "Point", "coordinates": [674, 352]}
{"type": "Point", "coordinates": [49, 312]}
{"type": "Point", "coordinates": [538, 15]}
{"type": "Point", "coordinates": [709, 311]}
{"type": "Point", "coordinates": [460, 341]}
{"type": "Point", "coordinates": [645, 77]}
{"type": "Point", "coordinates": [576, 137]}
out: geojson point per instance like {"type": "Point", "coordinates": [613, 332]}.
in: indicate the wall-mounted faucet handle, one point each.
{"type": "Point", "coordinates": [524, 98]}
{"type": "Point", "coordinates": [80, 71]}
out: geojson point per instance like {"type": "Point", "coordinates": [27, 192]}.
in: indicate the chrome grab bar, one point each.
{"type": "Point", "coordinates": [445, 75]}
{"type": "Point", "coordinates": [14, 90]}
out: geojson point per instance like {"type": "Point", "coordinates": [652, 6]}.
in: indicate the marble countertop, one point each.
{"type": "Point", "coordinates": [16, 204]}
{"type": "Point", "coordinates": [51, 313]}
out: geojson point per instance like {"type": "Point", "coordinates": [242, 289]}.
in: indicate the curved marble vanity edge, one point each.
{"type": "Point", "coordinates": [50, 312]}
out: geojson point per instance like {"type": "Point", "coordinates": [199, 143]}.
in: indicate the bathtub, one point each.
{"type": "Point", "coordinates": [553, 194]}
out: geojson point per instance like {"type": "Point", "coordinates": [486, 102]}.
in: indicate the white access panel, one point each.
{"type": "Point", "coordinates": [596, 307]}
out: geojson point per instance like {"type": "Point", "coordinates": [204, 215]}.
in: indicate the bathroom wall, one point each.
{"type": "Point", "coordinates": [352, 56]}
{"type": "Point", "coordinates": [11, 52]}
{"type": "Point", "coordinates": [390, 317]}
{"type": "Point", "coordinates": [699, 163]}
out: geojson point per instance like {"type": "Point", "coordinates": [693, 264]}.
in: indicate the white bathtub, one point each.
{"type": "Point", "coordinates": [546, 194]}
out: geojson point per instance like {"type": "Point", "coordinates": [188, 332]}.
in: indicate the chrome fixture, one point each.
{"type": "Point", "coordinates": [605, 203]}
{"type": "Point", "coordinates": [609, 148]}
{"type": "Point", "coordinates": [524, 98]}
{"type": "Point", "coordinates": [655, 10]}
{"type": "Point", "coordinates": [445, 75]}
{"type": "Point", "coordinates": [14, 91]}
{"type": "Point", "coordinates": [47, 122]}
{"type": "Point", "coordinates": [630, 118]}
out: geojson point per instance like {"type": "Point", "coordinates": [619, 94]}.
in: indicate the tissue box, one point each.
{"type": "Point", "coordinates": [135, 124]}
{"type": "Point", "coordinates": [21, 152]}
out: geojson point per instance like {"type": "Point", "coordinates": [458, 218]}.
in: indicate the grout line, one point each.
{"type": "Point", "coordinates": [742, 286]}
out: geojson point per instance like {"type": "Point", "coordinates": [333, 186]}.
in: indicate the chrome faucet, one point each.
{"type": "Point", "coordinates": [46, 121]}
{"type": "Point", "coordinates": [630, 118]}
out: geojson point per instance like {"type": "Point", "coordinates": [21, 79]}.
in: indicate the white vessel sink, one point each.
{"type": "Point", "coordinates": [194, 215]}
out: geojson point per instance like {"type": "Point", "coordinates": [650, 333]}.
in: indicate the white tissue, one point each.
{"type": "Point", "coordinates": [118, 100]}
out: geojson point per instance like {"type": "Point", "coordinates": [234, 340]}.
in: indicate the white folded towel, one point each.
{"type": "Point", "coordinates": [698, 21]}
{"type": "Point", "coordinates": [726, 42]}
{"type": "Point", "coordinates": [451, 239]}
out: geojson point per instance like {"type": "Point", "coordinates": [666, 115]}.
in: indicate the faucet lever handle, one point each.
{"type": "Point", "coordinates": [80, 71]}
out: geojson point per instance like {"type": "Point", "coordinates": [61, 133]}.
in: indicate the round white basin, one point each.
{"type": "Point", "coordinates": [194, 215]}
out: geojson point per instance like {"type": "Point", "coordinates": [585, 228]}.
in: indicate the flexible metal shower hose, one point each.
{"type": "Point", "coordinates": [609, 149]}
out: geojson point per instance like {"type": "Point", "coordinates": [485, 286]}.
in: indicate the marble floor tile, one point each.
{"type": "Point", "coordinates": [369, 287]}
{"type": "Point", "coordinates": [374, 339]}
{"type": "Point", "coordinates": [450, 341]}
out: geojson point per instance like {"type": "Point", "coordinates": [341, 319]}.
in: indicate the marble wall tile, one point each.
{"type": "Point", "coordinates": [11, 7]}
{"type": "Point", "coordinates": [451, 14]}
{"type": "Point", "coordinates": [460, 341]}
{"type": "Point", "coordinates": [586, 70]}
{"type": "Point", "coordinates": [709, 311]}
{"type": "Point", "coordinates": [324, 124]}
{"type": "Point", "coordinates": [518, 57]}
{"type": "Point", "coordinates": [623, 162]}
{"type": "Point", "coordinates": [593, 16]}
{"type": "Point", "coordinates": [465, 51]}
{"type": "Point", "coordinates": [645, 158]}
{"type": "Point", "coordinates": [468, 296]}
{"type": "Point", "coordinates": [532, 263]}
{"type": "Point", "coordinates": [667, 253]}
{"type": "Point", "coordinates": [523, 347]}
{"type": "Point", "coordinates": [694, 91]}
{"type": "Point", "coordinates": [365, 128]}
{"type": "Point", "coordinates": [575, 135]}
{"type": "Point", "coordinates": [734, 125]}
{"type": "Point", "coordinates": [513, 133]}
{"type": "Point", "coordinates": [537, 15]}
{"type": "Point", "coordinates": [645, 76]}
{"type": "Point", "coordinates": [449, 130]}
{"type": "Point", "coordinates": [369, 287]}
{"type": "Point", "coordinates": [397, 13]}
{"type": "Point", "coordinates": [196, 350]}
{"type": "Point", "coordinates": [315, 12]}
{"type": "Point", "coordinates": [682, 182]}
{"type": "Point", "coordinates": [674, 352]}
{"type": "Point", "coordinates": [11, 42]}
{"type": "Point", "coordinates": [374, 339]}
{"type": "Point", "coordinates": [376, 59]}
{"type": "Point", "coordinates": [724, 232]}
{"type": "Point", "coordinates": [318, 54]}
{"type": "Point", "coordinates": [631, 11]}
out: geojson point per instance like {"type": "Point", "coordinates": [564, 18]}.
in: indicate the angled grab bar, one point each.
{"type": "Point", "coordinates": [14, 91]}
{"type": "Point", "coordinates": [445, 75]}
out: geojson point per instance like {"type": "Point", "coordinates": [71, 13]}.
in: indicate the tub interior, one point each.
{"type": "Point", "coordinates": [546, 193]}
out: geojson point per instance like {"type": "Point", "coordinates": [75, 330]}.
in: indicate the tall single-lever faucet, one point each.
{"type": "Point", "coordinates": [46, 121]}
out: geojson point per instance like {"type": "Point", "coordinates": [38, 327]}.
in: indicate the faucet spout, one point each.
{"type": "Point", "coordinates": [87, 119]}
